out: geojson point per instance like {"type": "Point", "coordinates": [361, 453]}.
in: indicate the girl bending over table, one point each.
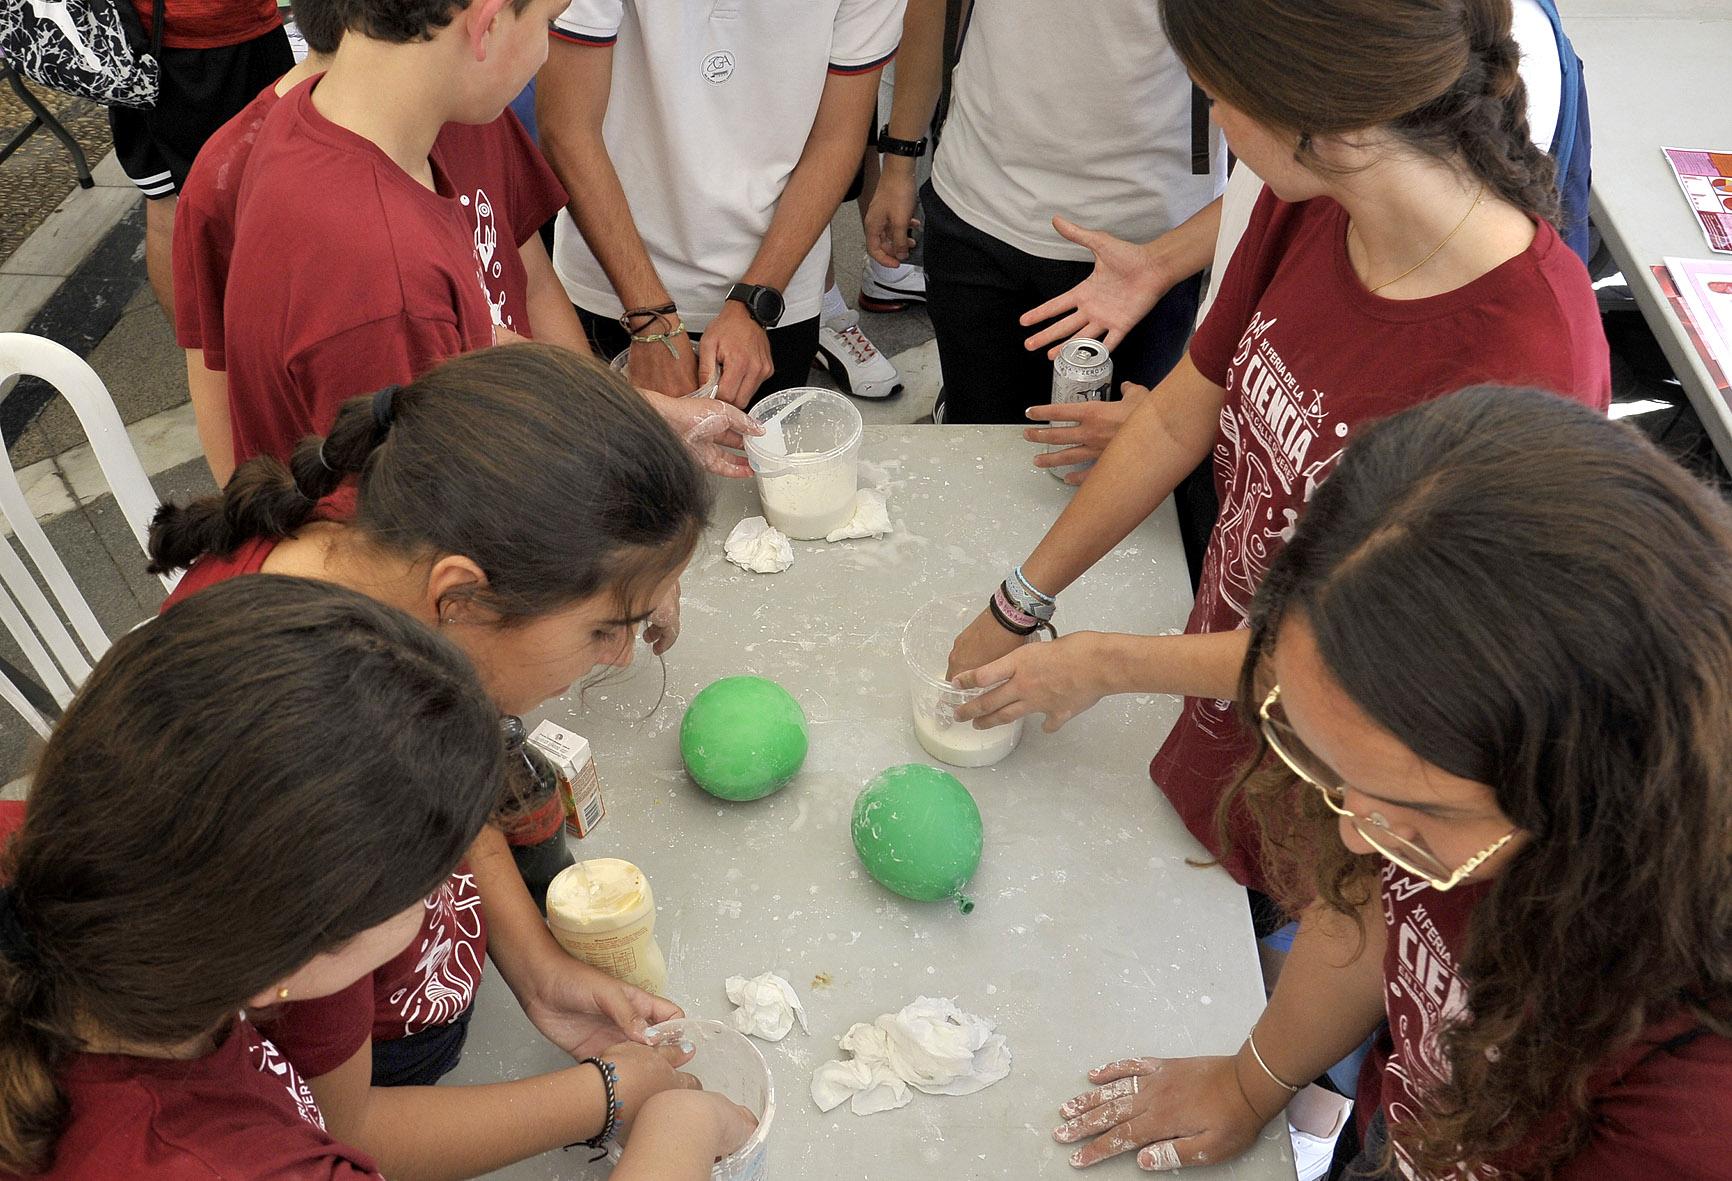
{"type": "Point", "coordinates": [530, 506]}
{"type": "Point", "coordinates": [248, 866]}
{"type": "Point", "coordinates": [1490, 677]}
{"type": "Point", "coordinates": [1403, 250]}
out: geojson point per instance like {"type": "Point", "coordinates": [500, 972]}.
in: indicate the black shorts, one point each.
{"type": "Point", "coordinates": [201, 90]}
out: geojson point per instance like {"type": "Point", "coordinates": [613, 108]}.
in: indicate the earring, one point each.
{"type": "Point", "coordinates": [283, 993]}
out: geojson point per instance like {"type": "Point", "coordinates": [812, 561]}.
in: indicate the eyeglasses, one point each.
{"type": "Point", "coordinates": [1373, 828]}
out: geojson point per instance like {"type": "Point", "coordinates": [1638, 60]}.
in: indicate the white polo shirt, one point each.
{"type": "Point", "coordinates": [709, 112]}
{"type": "Point", "coordinates": [1077, 109]}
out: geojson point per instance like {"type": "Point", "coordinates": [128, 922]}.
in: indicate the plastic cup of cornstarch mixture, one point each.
{"type": "Point", "coordinates": [622, 363]}
{"type": "Point", "coordinates": [806, 464]}
{"type": "Point", "coordinates": [604, 913]}
{"type": "Point", "coordinates": [926, 643]}
{"type": "Point", "coordinates": [728, 1063]}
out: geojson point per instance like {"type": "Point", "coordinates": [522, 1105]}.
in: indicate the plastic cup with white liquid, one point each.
{"type": "Point", "coordinates": [727, 1063]}
{"type": "Point", "coordinates": [622, 363]}
{"type": "Point", "coordinates": [926, 644]}
{"type": "Point", "coordinates": [806, 464]}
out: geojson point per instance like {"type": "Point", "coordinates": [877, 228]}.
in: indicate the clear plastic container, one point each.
{"type": "Point", "coordinates": [621, 362]}
{"type": "Point", "coordinates": [727, 1062]}
{"type": "Point", "coordinates": [926, 644]}
{"type": "Point", "coordinates": [807, 463]}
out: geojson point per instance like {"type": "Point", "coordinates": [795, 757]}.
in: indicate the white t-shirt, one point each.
{"type": "Point", "coordinates": [1074, 109]}
{"type": "Point", "coordinates": [1542, 74]}
{"type": "Point", "coordinates": [709, 112]}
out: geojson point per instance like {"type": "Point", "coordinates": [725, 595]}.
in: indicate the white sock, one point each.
{"type": "Point", "coordinates": [834, 304]}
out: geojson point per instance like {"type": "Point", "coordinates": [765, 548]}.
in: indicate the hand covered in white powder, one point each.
{"type": "Point", "coordinates": [581, 1009]}
{"type": "Point", "coordinates": [712, 430]}
{"type": "Point", "coordinates": [1060, 679]}
{"type": "Point", "coordinates": [1096, 424]}
{"type": "Point", "coordinates": [1177, 1111]}
{"type": "Point", "coordinates": [664, 623]}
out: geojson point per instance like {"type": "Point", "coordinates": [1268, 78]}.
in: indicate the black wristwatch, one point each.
{"type": "Point", "coordinates": [763, 304]}
{"type": "Point", "coordinates": [900, 147]}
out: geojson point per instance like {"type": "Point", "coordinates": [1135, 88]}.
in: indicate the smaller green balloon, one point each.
{"type": "Point", "coordinates": [743, 738]}
{"type": "Point", "coordinates": [917, 831]}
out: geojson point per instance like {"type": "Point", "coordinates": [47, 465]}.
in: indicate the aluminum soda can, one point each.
{"type": "Point", "coordinates": [1083, 372]}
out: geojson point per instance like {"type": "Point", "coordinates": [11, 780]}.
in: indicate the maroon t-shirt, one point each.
{"type": "Point", "coordinates": [348, 275]}
{"type": "Point", "coordinates": [482, 157]}
{"type": "Point", "coordinates": [428, 983]}
{"type": "Point", "coordinates": [240, 1113]}
{"type": "Point", "coordinates": [1660, 1108]}
{"type": "Point", "coordinates": [1307, 355]}
{"type": "Point", "coordinates": [209, 24]}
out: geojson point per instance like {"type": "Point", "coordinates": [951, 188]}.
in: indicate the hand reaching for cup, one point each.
{"type": "Point", "coordinates": [713, 430]}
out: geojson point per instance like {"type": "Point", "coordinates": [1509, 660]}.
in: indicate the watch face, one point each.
{"type": "Point", "coordinates": [767, 306]}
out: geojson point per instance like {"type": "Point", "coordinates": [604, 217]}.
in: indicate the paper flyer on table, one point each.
{"type": "Point", "coordinates": [1706, 178]}
{"type": "Point", "coordinates": [1706, 313]}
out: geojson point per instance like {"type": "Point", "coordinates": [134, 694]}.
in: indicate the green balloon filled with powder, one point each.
{"type": "Point", "coordinates": [743, 738]}
{"type": "Point", "coordinates": [917, 831]}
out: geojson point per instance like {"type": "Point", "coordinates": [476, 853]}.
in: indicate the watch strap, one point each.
{"type": "Point", "coordinates": [889, 144]}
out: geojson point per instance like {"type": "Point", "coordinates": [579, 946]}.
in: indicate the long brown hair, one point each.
{"type": "Point", "coordinates": [1443, 75]}
{"type": "Point", "coordinates": [546, 469]}
{"type": "Point", "coordinates": [186, 845]}
{"type": "Point", "coordinates": [1532, 597]}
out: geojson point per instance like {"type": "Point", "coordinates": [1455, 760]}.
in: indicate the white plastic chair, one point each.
{"type": "Point", "coordinates": [62, 658]}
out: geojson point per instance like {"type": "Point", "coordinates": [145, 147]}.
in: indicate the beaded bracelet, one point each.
{"type": "Point", "coordinates": [610, 1083]}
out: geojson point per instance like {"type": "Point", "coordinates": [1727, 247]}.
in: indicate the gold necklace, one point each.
{"type": "Point", "coordinates": [1478, 200]}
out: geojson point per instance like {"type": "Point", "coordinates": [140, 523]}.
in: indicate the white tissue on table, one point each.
{"type": "Point", "coordinates": [767, 1004]}
{"type": "Point", "coordinates": [871, 518]}
{"type": "Point", "coordinates": [758, 546]}
{"type": "Point", "coordinates": [930, 1045]}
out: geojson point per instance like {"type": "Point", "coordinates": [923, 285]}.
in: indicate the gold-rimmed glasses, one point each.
{"type": "Point", "coordinates": [1373, 828]}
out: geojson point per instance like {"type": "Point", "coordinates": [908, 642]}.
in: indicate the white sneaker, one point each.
{"type": "Point", "coordinates": [883, 289]}
{"type": "Point", "coordinates": [853, 361]}
{"type": "Point", "coordinates": [1324, 1115]}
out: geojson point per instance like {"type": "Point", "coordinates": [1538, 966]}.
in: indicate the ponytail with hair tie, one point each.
{"type": "Point", "coordinates": [384, 409]}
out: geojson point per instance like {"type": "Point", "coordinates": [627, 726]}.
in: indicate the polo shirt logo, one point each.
{"type": "Point", "coordinates": [719, 67]}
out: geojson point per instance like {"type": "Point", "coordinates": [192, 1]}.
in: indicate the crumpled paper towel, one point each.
{"type": "Point", "coordinates": [930, 1045]}
{"type": "Point", "coordinates": [767, 1004]}
{"type": "Point", "coordinates": [871, 518]}
{"type": "Point", "coordinates": [756, 545]}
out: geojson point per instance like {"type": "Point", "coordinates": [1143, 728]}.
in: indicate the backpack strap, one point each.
{"type": "Point", "coordinates": [1569, 109]}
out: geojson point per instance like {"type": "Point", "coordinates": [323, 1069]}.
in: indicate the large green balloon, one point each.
{"type": "Point", "coordinates": [743, 738]}
{"type": "Point", "coordinates": [917, 831]}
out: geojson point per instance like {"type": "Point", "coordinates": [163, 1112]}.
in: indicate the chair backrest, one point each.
{"type": "Point", "coordinates": [61, 655]}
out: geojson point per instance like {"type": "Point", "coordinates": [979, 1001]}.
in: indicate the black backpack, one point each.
{"type": "Point", "coordinates": [95, 49]}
